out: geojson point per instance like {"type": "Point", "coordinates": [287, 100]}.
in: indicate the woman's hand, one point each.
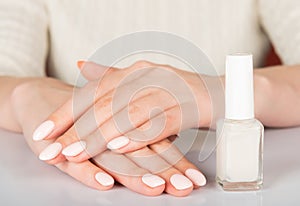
{"type": "Point", "coordinates": [149, 171]}
{"type": "Point", "coordinates": [32, 102]}
{"type": "Point", "coordinates": [127, 109]}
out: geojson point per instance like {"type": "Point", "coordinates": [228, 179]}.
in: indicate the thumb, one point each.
{"type": "Point", "coordinates": [92, 71]}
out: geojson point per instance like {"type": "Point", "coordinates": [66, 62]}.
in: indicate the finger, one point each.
{"type": "Point", "coordinates": [51, 154]}
{"type": "Point", "coordinates": [54, 152]}
{"type": "Point", "coordinates": [174, 157]}
{"type": "Point", "coordinates": [85, 131]}
{"type": "Point", "coordinates": [86, 148]}
{"type": "Point", "coordinates": [132, 122]}
{"type": "Point", "coordinates": [110, 131]}
{"type": "Point", "coordinates": [96, 141]}
{"type": "Point", "coordinates": [92, 71]}
{"type": "Point", "coordinates": [47, 151]}
{"type": "Point", "coordinates": [176, 183]}
{"type": "Point", "coordinates": [82, 99]}
{"type": "Point", "coordinates": [82, 147]}
{"type": "Point", "coordinates": [129, 174]}
{"type": "Point", "coordinates": [74, 146]}
{"type": "Point", "coordinates": [58, 122]}
{"type": "Point", "coordinates": [62, 119]}
{"type": "Point", "coordinates": [116, 126]}
{"type": "Point", "coordinates": [161, 126]}
{"type": "Point", "coordinates": [83, 136]}
{"type": "Point", "coordinates": [88, 173]}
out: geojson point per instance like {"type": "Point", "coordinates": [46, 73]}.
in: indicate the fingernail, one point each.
{"type": "Point", "coordinates": [104, 179]}
{"type": "Point", "coordinates": [153, 180]}
{"type": "Point", "coordinates": [117, 143]}
{"type": "Point", "coordinates": [197, 177]}
{"type": "Point", "coordinates": [74, 149]}
{"type": "Point", "coordinates": [43, 130]}
{"type": "Point", "coordinates": [80, 64]}
{"type": "Point", "coordinates": [51, 151]}
{"type": "Point", "coordinates": [180, 182]}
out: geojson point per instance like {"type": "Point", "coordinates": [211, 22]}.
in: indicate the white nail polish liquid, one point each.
{"type": "Point", "coordinates": [239, 135]}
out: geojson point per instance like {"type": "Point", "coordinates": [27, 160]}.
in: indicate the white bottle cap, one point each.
{"type": "Point", "coordinates": [239, 100]}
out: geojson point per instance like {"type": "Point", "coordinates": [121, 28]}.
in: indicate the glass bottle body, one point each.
{"type": "Point", "coordinates": [240, 154]}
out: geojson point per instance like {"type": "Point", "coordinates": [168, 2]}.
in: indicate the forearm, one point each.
{"type": "Point", "coordinates": [277, 96]}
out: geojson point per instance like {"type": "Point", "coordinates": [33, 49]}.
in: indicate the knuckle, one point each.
{"type": "Point", "coordinates": [134, 108]}
{"type": "Point", "coordinates": [104, 102]}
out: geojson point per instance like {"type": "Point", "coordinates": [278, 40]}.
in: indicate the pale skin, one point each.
{"type": "Point", "coordinates": [273, 87]}
{"type": "Point", "coordinates": [277, 96]}
{"type": "Point", "coordinates": [37, 98]}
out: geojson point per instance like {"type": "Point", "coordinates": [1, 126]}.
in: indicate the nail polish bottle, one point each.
{"type": "Point", "coordinates": [239, 136]}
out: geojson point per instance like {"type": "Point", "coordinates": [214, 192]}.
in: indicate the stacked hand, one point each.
{"type": "Point", "coordinates": [122, 120]}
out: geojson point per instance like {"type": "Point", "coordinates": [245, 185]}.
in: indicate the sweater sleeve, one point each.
{"type": "Point", "coordinates": [281, 21]}
{"type": "Point", "coordinates": [23, 38]}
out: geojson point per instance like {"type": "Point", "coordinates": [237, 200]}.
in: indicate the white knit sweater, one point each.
{"type": "Point", "coordinates": [47, 37]}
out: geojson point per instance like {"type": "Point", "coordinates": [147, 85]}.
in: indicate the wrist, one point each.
{"type": "Point", "coordinates": [209, 93]}
{"type": "Point", "coordinates": [263, 89]}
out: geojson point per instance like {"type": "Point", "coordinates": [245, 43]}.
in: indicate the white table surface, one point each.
{"type": "Point", "coordinates": [27, 181]}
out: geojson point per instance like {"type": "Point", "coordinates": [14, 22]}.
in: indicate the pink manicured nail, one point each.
{"type": "Point", "coordinates": [50, 152]}
{"type": "Point", "coordinates": [197, 177]}
{"type": "Point", "coordinates": [43, 130]}
{"type": "Point", "coordinates": [117, 143]}
{"type": "Point", "coordinates": [180, 182]}
{"type": "Point", "coordinates": [104, 179]}
{"type": "Point", "coordinates": [153, 180]}
{"type": "Point", "coordinates": [74, 149]}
